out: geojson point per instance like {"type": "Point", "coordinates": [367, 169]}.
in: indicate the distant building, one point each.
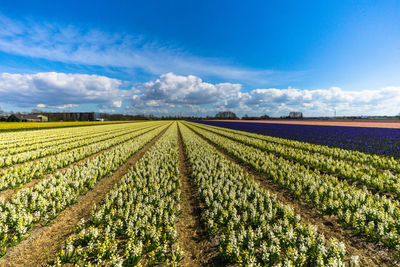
{"type": "Point", "coordinates": [71, 116]}
{"type": "Point", "coordinates": [31, 118]}
{"type": "Point", "coordinates": [43, 117]}
{"type": "Point", "coordinates": [295, 115]}
{"type": "Point", "coordinates": [25, 117]}
{"type": "Point", "coordinates": [13, 118]}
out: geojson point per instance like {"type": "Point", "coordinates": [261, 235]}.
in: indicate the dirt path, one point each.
{"type": "Point", "coordinates": [44, 242]}
{"type": "Point", "coordinates": [370, 253]}
{"type": "Point", "coordinates": [199, 248]}
{"type": "Point", "coordinates": [9, 193]}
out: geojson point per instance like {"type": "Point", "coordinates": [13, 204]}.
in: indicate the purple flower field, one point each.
{"type": "Point", "coordinates": [384, 141]}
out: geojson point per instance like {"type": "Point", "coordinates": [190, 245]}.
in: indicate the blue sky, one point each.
{"type": "Point", "coordinates": [199, 57]}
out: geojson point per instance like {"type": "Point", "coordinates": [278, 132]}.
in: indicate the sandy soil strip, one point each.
{"type": "Point", "coordinates": [7, 194]}
{"type": "Point", "coordinates": [199, 248]}
{"type": "Point", "coordinates": [370, 253]}
{"type": "Point", "coordinates": [374, 124]}
{"type": "Point", "coordinates": [44, 242]}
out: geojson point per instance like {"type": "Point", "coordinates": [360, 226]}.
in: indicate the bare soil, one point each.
{"type": "Point", "coordinates": [370, 253]}
{"type": "Point", "coordinates": [42, 245]}
{"type": "Point", "coordinates": [199, 248]}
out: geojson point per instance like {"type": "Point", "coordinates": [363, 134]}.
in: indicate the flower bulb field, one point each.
{"type": "Point", "coordinates": [12, 126]}
{"type": "Point", "coordinates": [207, 193]}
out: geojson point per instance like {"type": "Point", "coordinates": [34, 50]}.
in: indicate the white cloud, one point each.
{"type": "Point", "coordinates": [189, 95]}
{"type": "Point", "coordinates": [60, 90]}
{"type": "Point", "coordinates": [116, 104]}
{"type": "Point", "coordinates": [66, 106]}
{"type": "Point", "coordinates": [180, 92]}
{"type": "Point", "coordinates": [71, 44]}
{"type": "Point", "coordinates": [171, 88]}
{"type": "Point", "coordinates": [319, 102]}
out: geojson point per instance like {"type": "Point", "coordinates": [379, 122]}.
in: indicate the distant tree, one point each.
{"type": "Point", "coordinates": [226, 115]}
{"type": "Point", "coordinates": [295, 115]}
{"type": "Point", "coordinates": [3, 115]}
{"type": "Point", "coordinates": [263, 117]}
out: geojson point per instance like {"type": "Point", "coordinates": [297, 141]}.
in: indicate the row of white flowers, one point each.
{"type": "Point", "coordinates": [14, 139]}
{"type": "Point", "coordinates": [254, 227]}
{"type": "Point", "coordinates": [62, 146]}
{"type": "Point", "coordinates": [65, 135]}
{"type": "Point", "coordinates": [378, 161]}
{"type": "Point", "coordinates": [373, 216]}
{"type": "Point", "coordinates": [43, 202]}
{"type": "Point", "coordinates": [136, 223]}
{"type": "Point", "coordinates": [384, 181]}
{"type": "Point", "coordinates": [14, 176]}
{"type": "Point", "coordinates": [25, 138]}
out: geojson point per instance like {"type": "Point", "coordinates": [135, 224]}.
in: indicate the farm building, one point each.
{"type": "Point", "coordinates": [26, 117]}
{"type": "Point", "coordinates": [14, 118]}
{"type": "Point", "coordinates": [43, 117]}
{"type": "Point", "coordinates": [31, 118]}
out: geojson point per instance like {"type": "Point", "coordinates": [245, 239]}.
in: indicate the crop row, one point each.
{"type": "Point", "coordinates": [384, 181]}
{"type": "Point", "coordinates": [378, 161]}
{"type": "Point", "coordinates": [8, 126]}
{"type": "Point", "coordinates": [24, 138]}
{"type": "Point", "coordinates": [62, 146]}
{"type": "Point", "coordinates": [373, 216]}
{"type": "Point", "coordinates": [137, 222]}
{"type": "Point", "coordinates": [48, 198]}
{"type": "Point", "coordinates": [254, 227]}
{"type": "Point", "coordinates": [21, 174]}
{"type": "Point", "coordinates": [11, 140]}
{"type": "Point", "coordinates": [44, 140]}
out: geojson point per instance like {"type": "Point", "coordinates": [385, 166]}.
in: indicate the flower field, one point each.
{"type": "Point", "coordinates": [117, 195]}
{"type": "Point", "coordinates": [373, 140]}
{"type": "Point", "coordinates": [12, 126]}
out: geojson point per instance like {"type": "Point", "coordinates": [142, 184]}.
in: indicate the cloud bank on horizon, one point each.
{"type": "Point", "coordinates": [188, 95]}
